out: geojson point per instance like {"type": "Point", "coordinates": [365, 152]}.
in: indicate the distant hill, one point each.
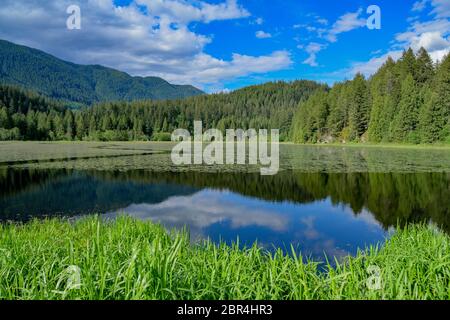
{"type": "Point", "coordinates": [80, 84]}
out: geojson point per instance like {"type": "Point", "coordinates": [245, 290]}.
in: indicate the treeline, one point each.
{"type": "Point", "coordinates": [268, 106]}
{"type": "Point", "coordinates": [405, 101]}
{"type": "Point", "coordinates": [25, 115]}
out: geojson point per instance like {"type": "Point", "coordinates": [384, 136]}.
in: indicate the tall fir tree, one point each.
{"type": "Point", "coordinates": [424, 67]}
{"type": "Point", "coordinates": [359, 109]}
{"type": "Point", "coordinates": [436, 116]}
{"type": "Point", "coordinates": [406, 119]}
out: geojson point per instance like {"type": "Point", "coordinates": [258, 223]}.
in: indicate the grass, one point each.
{"type": "Point", "coordinates": [129, 259]}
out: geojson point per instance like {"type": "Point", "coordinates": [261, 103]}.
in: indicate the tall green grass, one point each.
{"type": "Point", "coordinates": [129, 259]}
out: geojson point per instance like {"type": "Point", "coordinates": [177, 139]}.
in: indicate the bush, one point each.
{"type": "Point", "coordinates": [113, 135]}
{"type": "Point", "coordinates": [162, 136]}
{"type": "Point", "coordinates": [9, 134]}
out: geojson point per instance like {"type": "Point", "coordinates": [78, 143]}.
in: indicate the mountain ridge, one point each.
{"type": "Point", "coordinates": [46, 74]}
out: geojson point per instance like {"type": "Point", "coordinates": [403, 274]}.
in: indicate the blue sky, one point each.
{"type": "Point", "coordinates": [227, 44]}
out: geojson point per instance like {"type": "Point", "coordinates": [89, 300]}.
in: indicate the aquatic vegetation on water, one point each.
{"type": "Point", "coordinates": [156, 156]}
{"type": "Point", "coordinates": [129, 259]}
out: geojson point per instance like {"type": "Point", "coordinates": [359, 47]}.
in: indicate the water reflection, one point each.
{"type": "Point", "coordinates": [315, 228]}
{"type": "Point", "coordinates": [332, 213]}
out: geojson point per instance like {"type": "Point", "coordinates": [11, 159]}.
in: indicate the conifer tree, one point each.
{"type": "Point", "coordinates": [4, 123]}
{"type": "Point", "coordinates": [424, 67]}
{"type": "Point", "coordinates": [435, 119]}
{"type": "Point", "coordinates": [407, 64]}
{"type": "Point", "coordinates": [359, 107]}
{"type": "Point", "coordinates": [406, 119]}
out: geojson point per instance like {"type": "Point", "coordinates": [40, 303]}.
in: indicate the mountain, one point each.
{"type": "Point", "coordinates": [80, 84]}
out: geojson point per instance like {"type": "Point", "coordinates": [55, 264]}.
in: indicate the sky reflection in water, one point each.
{"type": "Point", "coordinates": [315, 229]}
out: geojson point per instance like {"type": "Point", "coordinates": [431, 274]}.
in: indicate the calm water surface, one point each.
{"type": "Point", "coordinates": [318, 213]}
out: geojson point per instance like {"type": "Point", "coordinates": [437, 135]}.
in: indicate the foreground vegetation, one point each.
{"type": "Point", "coordinates": [128, 259]}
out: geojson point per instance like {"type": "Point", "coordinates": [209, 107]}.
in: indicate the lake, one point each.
{"type": "Point", "coordinates": [324, 201]}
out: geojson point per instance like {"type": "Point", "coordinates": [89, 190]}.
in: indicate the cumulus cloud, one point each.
{"type": "Point", "coordinates": [146, 37]}
{"type": "Point", "coordinates": [262, 35]}
{"type": "Point", "coordinates": [432, 35]}
{"type": "Point", "coordinates": [212, 70]}
{"type": "Point", "coordinates": [433, 42]}
{"type": "Point", "coordinates": [184, 12]}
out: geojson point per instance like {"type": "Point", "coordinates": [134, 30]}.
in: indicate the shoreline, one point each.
{"type": "Point", "coordinates": [130, 259]}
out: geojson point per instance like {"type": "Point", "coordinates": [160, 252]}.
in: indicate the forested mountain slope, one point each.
{"type": "Point", "coordinates": [80, 84]}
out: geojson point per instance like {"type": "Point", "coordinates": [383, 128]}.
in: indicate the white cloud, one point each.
{"type": "Point", "coordinates": [441, 8]}
{"type": "Point", "coordinates": [312, 49]}
{"type": "Point", "coordinates": [346, 23]}
{"type": "Point", "coordinates": [131, 39]}
{"type": "Point", "coordinates": [212, 70]}
{"type": "Point", "coordinates": [184, 11]}
{"type": "Point", "coordinates": [259, 21]}
{"type": "Point", "coordinates": [322, 21]}
{"type": "Point", "coordinates": [419, 5]}
{"type": "Point", "coordinates": [262, 35]}
{"type": "Point", "coordinates": [432, 35]}
{"type": "Point", "coordinates": [432, 41]}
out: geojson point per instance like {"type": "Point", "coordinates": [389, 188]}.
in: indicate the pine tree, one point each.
{"type": "Point", "coordinates": [31, 131]}
{"type": "Point", "coordinates": [391, 101]}
{"type": "Point", "coordinates": [69, 125]}
{"type": "Point", "coordinates": [80, 129]}
{"type": "Point", "coordinates": [406, 120]}
{"type": "Point", "coordinates": [382, 86]}
{"type": "Point", "coordinates": [424, 66]}
{"type": "Point", "coordinates": [359, 107]}
{"type": "Point", "coordinates": [4, 121]}
{"type": "Point", "coordinates": [338, 103]}
{"type": "Point", "coordinates": [407, 64]}
{"type": "Point", "coordinates": [43, 127]}
{"type": "Point", "coordinates": [58, 127]}
{"type": "Point", "coordinates": [435, 120]}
